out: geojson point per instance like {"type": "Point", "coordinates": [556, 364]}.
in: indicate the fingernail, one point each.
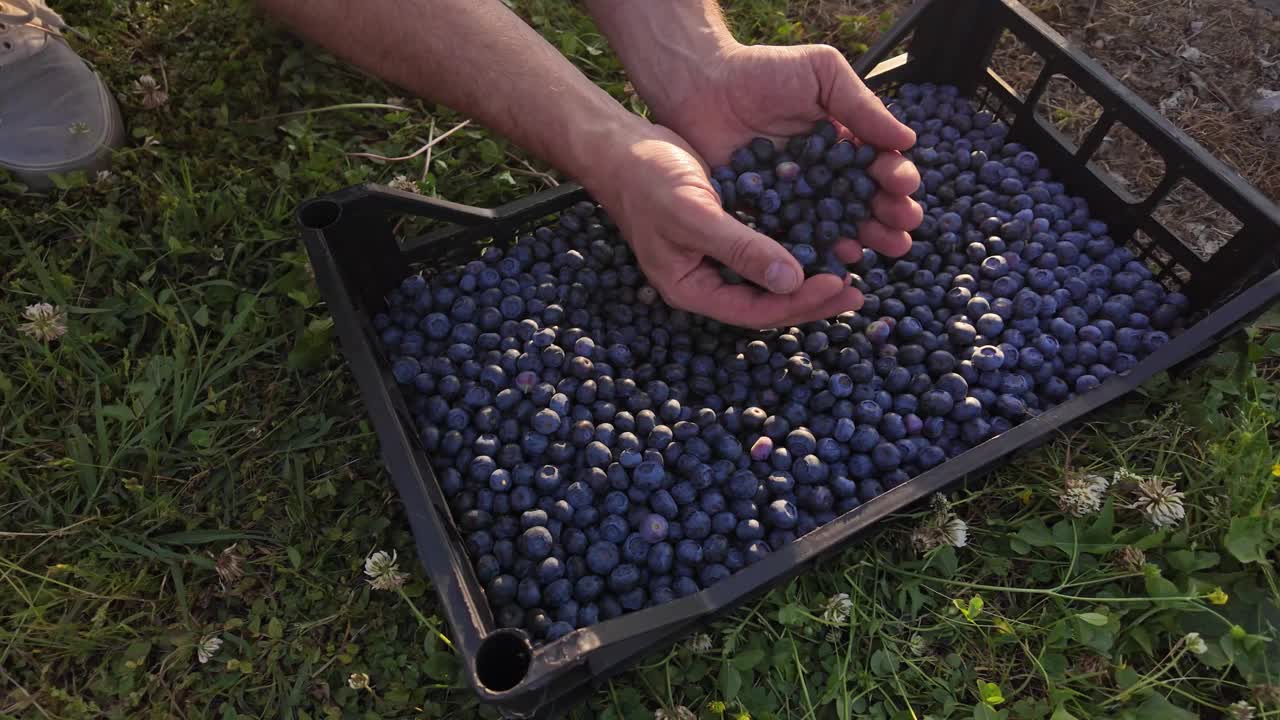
{"type": "Point", "coordinates": [781, 278]}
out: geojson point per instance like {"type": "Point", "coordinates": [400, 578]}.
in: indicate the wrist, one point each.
{"type": "Point", "coordinates": [669, 48]}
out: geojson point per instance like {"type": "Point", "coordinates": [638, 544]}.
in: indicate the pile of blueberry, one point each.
{"type": "Point", "coordinates": [603, 452]}
{"type": "Point", "coordinates": [806, 197]}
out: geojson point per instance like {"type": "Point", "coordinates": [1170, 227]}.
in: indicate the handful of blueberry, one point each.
{"type": "Point", "coordinates": [602, 452]}
{"type": "Point", "coordinates": [806, 196]}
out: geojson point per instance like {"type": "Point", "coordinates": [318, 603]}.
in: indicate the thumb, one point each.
{"type": "Point", "coordinates": [753, 255]}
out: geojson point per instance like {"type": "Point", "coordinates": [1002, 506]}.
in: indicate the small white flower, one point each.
{"type": "Point", "coordinates": [1195, 643]}
{"type": "Point", "coordinates": [700, 642]}
{"type": "Point", "coordinates": [153, 96]}
{"type": "Point", "coordinates": [402, 182]}
{"type": "Point", "coordinates": [957, 532]}
{"type": "Point", "coordinates": [207, 648]}
{"type": "Point", "coordinates": [1160, 501]}
{"type": "Point", "coordinates": [1083, 495]}
{"type": "Point", "coordinates": [359, 681]}
{"type": "Point", "coordinates": [395, 101]}
{"type": "Point", "coordinates": [104, 177]}
{"type": "Point", "coordinates": [679, 712]}
{"type": "Point", "coordinates": [383, 572]}
{"type": "Point", "coordinates": [837, 609]}
{"type": "Point", "coordinates": [1241, 710]}
{"type": "Point", "coordinates": [835, 635]}
{"type": "Point", "coordinates": [1125, 475]}
{"type": "Point", "coordinates": [45, 322]}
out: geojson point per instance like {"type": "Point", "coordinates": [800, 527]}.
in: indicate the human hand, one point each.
{"type": "Point", "coordinates": [657, 191]}
{"type": "Point", "coordinates": [742, 92]}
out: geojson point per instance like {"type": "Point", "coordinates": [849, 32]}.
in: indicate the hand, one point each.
{"type": "Point", "coordinates": [657, 191]}
{"type": "Point", "coordinates": [777, 92]}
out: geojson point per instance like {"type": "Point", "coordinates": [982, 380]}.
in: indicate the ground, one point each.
{"type": "Point", "coordinates": [190, 462]}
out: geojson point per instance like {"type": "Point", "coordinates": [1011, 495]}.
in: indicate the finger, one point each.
{"type": "Point", "coordinates": [849, 251]}
{"type": "Point", "coordinates": [852, 104]}
{"type": "Point", "coordinates": [894, 173]}
{"type": "Point", "coordinates": [884, 240]}
{"type": "Point", "coordinates": [703, 291]}
{"type": "Point", "coordinates": [753, 255]}
{"type": "Point", "coordinates": [896, 211]}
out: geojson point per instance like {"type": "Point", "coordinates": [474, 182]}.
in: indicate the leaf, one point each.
{"type": "Point", "coordinates": [1245, 539]}
{"type": "Point", "coordinates": [441, 666]}
{"type": "Point", "coordinates": [883, 663]}
{"type": "Point", "coordinates": [1035, 534]}
{"type": "Point", "coordinates": [200, 438]}
{"type": "Point", "coordinates": [275, 629]}
{"type": "Point", "coordinates": [990, 693]}
{"type": "Point", "coordinates": [201, 537]}
{"type": "Point", "coordinates": [748, 659]}
{"type": "Point", "coordinates": [1189, 561]}
{"type": "Point", "coordinates": [1095, 619]}
{"type": "Point", "coordinates": [1157, 707]}
{"type": "Point", "coordinates": [972, 609]}
{"type": "Point", "coordinates": [295, 557]}
{"type": "Point", "coordinates": [730, 681]}
{"type": "Point", "coordinates": [1158, 586]}
{"type": "Point", "coordinates": [983, 711]}
{"type": "Point", "coordinates": [792, 614]}
{"type": "Point", "coordinates": [1062, 714]}
{"type": "Point", "coordinates": [314, 346]}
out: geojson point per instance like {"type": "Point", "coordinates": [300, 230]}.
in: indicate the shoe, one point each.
{"type": "Point", "coordinates": [56, 114]}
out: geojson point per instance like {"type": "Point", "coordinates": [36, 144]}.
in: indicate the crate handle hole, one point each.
{"type": "Point", "coordinates": [503, 660]}
{"type": "Point", "coordinates": [319, 214]}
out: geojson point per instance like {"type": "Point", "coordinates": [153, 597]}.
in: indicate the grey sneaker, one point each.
{"type": "Point", "coordinates": [56, 115]}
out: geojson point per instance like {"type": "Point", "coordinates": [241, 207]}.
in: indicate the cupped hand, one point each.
{"type": "Point", "coordinates": [657, 191]}
{"type": "Point", "coordinates": [777, 92]}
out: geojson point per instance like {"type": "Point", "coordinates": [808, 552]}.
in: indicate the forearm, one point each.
{"type": "Point", "coordinates": [666, 46]}
{"type": "Point", "coordinates": [478, 58]}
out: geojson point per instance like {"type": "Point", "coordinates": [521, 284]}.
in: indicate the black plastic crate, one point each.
{"type": "Point", "coordinates": [358, 259]}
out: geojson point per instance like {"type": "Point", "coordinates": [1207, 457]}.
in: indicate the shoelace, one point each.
{"type": "Point", "coordinates": [32, 12]}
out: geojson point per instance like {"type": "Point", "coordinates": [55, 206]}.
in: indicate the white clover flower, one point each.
{"type": "Point", "coordinates": [153, 96]}
{"type": "Point", "coordinates": [678, 712]}
{"type": "Point", "coordinates": [957, 532]}
{"type": "Point", "coordinates": [104, 177]}
{"type": "Point", "coordinates": [700, 642]}
{"type": "Point", "coordinates": [207, 648]}
{"type": "Point", "coordinates": [45, 322]}
{"type": "Point", "coordinates": [403, 183]}
{"type": "Point", "coordinates": [834, 635]}
{"type": "Point", "coordinates": [1241, 710]}
{"type": "Point", "coordinates": [383, 572]}
{"type": "Point", "coordinates": [1160, 502]}
{"type": "Point", "coordinates": [1195, 643]}
{"type": "Point", "coordinates": [359, 681]}
{"type": "Point", "coordinates": [837, 609]}
{"type": "Point", "coordinates": [1083, 495]}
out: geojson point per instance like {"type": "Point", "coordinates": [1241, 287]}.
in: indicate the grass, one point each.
{"type": "Point", "coordinates": [197, 417]}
